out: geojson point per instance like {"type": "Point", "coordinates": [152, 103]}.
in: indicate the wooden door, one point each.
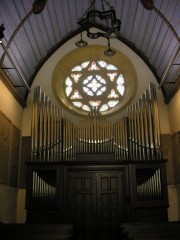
{"type": "Point", "coordinates": [109, 203]}
{"type": "Point", "coordinates": [95, 201]}
{"type": "Point", "coordinates": [82, 201]}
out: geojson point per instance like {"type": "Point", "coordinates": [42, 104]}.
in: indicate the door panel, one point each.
{"type": "Point", "coordinates": [109, 198]}
{"type": "Point", "coordinates": [96, 201]}
{"type": "Point", "coordinates": [82, 200]}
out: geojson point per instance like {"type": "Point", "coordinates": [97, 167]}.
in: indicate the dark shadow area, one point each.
{"type": "Point", "coordinates": [151, 231]}
{"type": "Point", "coordinates": [99, 233]}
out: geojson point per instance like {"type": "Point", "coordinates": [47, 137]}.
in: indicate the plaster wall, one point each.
{"type": "Point", "coordinates": [174, 189]}
{"type": "Point", "coordinates": [21, 211]}
{"type": "Point", "coordinates": [144, 75]}
{"type": "Point", "coordinates": [8, 195]}
{"type": "Point", "coordinates": [174, 113]}
{"type": "Point", "coordinates": [10, 107]}
{"type": "Point", "coordinates": [8, 204]}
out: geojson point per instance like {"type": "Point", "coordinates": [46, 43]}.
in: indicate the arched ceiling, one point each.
{"type": "Point", "coordinates": [30, 39]}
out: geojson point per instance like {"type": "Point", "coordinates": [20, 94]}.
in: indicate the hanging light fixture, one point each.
{"type": "Point", "coordinates": [38, 6]}
{"type": "Point", "coordinates": [109, 52]}
{"type": "Point", "coordinates": [2, 28]}
{"type": "Point", "coordinates": [105, 20]}
{"type": "Point", "coordinates": [148, 4]}
{"type": "Point", "coordinates": [81, 43]}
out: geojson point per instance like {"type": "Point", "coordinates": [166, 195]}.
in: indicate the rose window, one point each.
{"type": "Point", "coordinates": [95, 85]}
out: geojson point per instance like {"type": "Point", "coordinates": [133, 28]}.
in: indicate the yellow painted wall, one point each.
{"type": "Point", "coordinates": [10, 107]}
{"type": "Point", "coordinates": [174, 113]}
{"type": "Point", "coordinates": [174, 189]}
{"type": "Point", "coordinates": [174, 203]}
{"type": "Point", "coordinates": [8, 204]}
{"type": "Point", "coordinates": [8, 195]}
{"type": "Point", "coordinates": [21, 211]}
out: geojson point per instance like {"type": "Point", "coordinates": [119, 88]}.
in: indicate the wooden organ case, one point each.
{"type": "Point", "coordinates": [96, 173]}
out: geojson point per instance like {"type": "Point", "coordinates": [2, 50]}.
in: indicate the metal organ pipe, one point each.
{"type": "Point", "coordinates": [42, 191]}
{"type": "Point", "coordinates": [150, 188]}
{"type": "Point", "coordinates": [134, 137]}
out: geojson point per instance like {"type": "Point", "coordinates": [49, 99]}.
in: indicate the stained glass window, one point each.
{"type": "Point", "coordinates": [76, 77]}
{"type": "Point", "coordinates": [76, 95]}
{"type": "Point", "coordinates": [95, 85]}
{"type": "Point", "coordinates": [77, 104]}
{"type": "Point", "coordinates": [113, 94]}
{"type": "Point", "coordinates": [112, 76]}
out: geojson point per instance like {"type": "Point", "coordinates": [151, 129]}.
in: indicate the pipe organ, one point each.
{"type": "Point", "coordinates": [123, 158]}
{"type": "Point", "coordinates": [47, 129]}
{"type": "Point", "coordinates": [44, 186]}
{"type": "Point", "coordinates": [144, 128]}
{"type": "Point", "coordinates": [94, 134]}
{"type": "Point", "coordinates": [149, 185]}
{"type": "Point", "coordinates": [135, 136]}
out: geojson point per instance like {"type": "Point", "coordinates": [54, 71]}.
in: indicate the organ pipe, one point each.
{"type": "Point", "coordinates": [136, 136]}
{"type": "Point", "coordinates": [150, 188]}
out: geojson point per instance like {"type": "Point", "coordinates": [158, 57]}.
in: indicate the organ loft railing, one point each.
{"type": "Point", "coordinates": [134, 137]}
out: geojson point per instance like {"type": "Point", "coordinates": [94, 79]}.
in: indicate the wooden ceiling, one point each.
{"type": "Point", "coordinates": [30, 39]}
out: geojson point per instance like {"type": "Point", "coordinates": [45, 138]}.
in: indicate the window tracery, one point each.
{"type": "Point", "coordinates": [95, 85]}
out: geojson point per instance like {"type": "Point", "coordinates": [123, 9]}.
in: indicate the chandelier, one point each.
{"type": "Point", "coordinates": [104, 20]}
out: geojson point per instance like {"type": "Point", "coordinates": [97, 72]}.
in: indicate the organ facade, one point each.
{"type": "Point", "coordinates": [95, 172]}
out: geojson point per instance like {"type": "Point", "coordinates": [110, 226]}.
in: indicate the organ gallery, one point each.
{"type": "Point", "coordinates": [95, 171]}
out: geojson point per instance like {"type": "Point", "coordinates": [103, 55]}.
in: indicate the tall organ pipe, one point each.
{"type": "Point", "coordinates": [135, 137]}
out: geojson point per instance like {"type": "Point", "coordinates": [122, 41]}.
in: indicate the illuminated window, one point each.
{"type": "Point", "coordinates": [95, 85]}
